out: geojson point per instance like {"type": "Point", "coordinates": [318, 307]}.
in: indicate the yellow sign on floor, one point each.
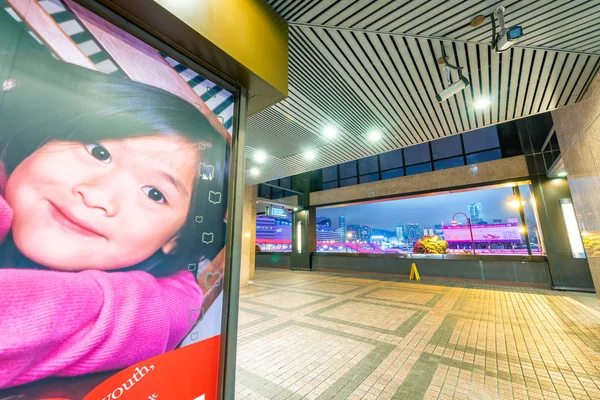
{"type": "Point", "coordinates": [414, 272]}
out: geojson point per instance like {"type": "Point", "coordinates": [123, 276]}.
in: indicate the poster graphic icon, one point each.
{"type": "Point", "coordinates": [195, 315]}
{"type": "Point", "coordinates": [208, 277]}
{"type": "Point", "coordinates": [208, 238]}
{"type": "Point", "coordinates": [214, 197]}
{"type": "Point", "coordinates": [199, 219]}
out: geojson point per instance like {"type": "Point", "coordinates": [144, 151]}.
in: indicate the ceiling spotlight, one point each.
{"type": "Point", "coordinates": [310, 155]}
{"type": "Point", "coordinates": [374, 136]}
{"type": "Point", "coordinates": [482, 103]}
{"type": "Point", "coordinates": [561, 174]}
{"type": "Point", "coordinates": [504, 39]}
{"type": "Point", "coordinates": [260, 156]}
{"type": "Point", "coordinates": [254, 171]}
{"type": "Point", "coordinates": [455, 87]}
{"type": "Point", "coordinates": [330, 132]}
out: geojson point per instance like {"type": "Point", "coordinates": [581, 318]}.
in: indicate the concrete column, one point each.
{"type": "Point", "coordinates": [249, 235]}
{"type": "Point", "coordinates": [578, 132]}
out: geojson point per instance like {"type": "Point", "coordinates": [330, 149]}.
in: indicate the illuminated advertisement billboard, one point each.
{"type": "Point", "coordinates": [490, 233]}
{"type": "Point", "coordinates": [114, 174]}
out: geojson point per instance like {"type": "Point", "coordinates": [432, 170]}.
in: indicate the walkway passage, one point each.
{"type": "Point", "coordinates": [308, 335]}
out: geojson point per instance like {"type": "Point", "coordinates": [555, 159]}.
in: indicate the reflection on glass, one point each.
{"type": "Point", "coordinates": [391, 159]}
{"type": "Point", "coordinates": [404, 225]}
{"type": "Point", "coordinates": [484, 156]}
{"type": "Point", "coordinates": [417, 154]}
{"type": "Point", "coordinates": [481, 139]}
{"type": "Point", "coordinates": [446, 147]}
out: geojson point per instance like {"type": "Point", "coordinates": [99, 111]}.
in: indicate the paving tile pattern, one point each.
{"type": "Point", "coordinates": [309, 335]}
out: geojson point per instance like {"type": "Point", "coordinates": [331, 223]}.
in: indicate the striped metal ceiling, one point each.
{"type": "Point", "coordinates": [371, 64]}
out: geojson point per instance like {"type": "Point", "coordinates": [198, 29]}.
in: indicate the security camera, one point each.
{"type": "Point", "coordinates": [507, 36]}
{"type": "Point", "coordinates": [451, 90]}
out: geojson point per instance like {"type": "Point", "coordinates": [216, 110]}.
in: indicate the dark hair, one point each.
{"type": "Point", "coordinates": [53, 100]}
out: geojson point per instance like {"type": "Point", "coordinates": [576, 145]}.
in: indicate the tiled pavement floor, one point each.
{"type": "Point", "coordinates": [339, 336]}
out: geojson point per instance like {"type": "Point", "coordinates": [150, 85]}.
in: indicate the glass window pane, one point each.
{"type": "Point", "coordinates": [446, 147]}
{"type": "Point", "coordinates": [277, 195]}
{"type": "Point", "coordinates": [391, 159]}
{"type": "Point", "coordinates": [481, 139]}
{"type": "Point", "coordinates": [417, 169]}
{"type": "Point", "coordinates": [264, 191]}
{"type": "Point", "coordinates": [553, 143]}
{"type": "Point", "coordinates": [348, 182]}
{"type": "Point", "coordinates": [484, 156]}
{"type": "Point", "coordinates": [329, 173]}
{"type": "Point", "coordinates": [367, 165]}
{"type": "Point", "coordinates": [449, 163]}
{"type": "Point", "coordinates": [286, 182]}
{"type": "Point", "coordinates": [348, 169]}
{"type": "Point", "coordinates": [330, 185]}
{"type": "Point", "coordinates": [369, 178]}
{"type": "Point", "coordinates": [416, 154]}
{"type": "Point", "coordinates": [392, 173]}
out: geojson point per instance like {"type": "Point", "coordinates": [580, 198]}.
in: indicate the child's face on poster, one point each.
{"type": "Point", "coordinates": [102, 206]}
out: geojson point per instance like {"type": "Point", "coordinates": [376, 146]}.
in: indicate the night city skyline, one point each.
{"type": "Point", "coordinates": [430, 210]}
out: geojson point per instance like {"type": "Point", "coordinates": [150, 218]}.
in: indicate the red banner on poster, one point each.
{"type": "Point", "coordinates": [188, 373]}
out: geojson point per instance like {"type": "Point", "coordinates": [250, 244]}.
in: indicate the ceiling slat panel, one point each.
{"type": "Point", "coordinates": [409, 90]}
{"type": "Point", "coordinates": [567, 34]}
{"type": "Point", "coordinates": [347, 69]}
{"type": "Point", "coordinates": [449, 109]}
{"type": "Point", "coordinates": [473, 60]}
{"type": "Point", "coordinates": [370, 14]}
{"type": "Point", "coordinates": [347, 46]}
{"type": "Point", "coordinates": [378, 55]}
{"type": "Point", "coordinates": [530, 17]}
{"type": "Point", "coordinates": [505, 57]}
{"type": "Point", "coordinates": [559, 20]}
{"type": "Point", "coordinates": [589, 80]}
{"type": "Point", "coordinates": [333, 55]}
{"type": "Point", "coordinates": [403, 13]}
{"type": "Point", "coordinates": [574, 79]}
{"type": "Point", "coordinates": [324, 87]}
{"type": "Point", "coordinates": [462, 55]}
{"type": "Point", "coordinates": [589, 68]}
{"type": "Point", "coordinates": [378, 86]}
{"type": "Point", "coordinates": [552, 80]}
{"type": "Point", "coordinates": [524, 75]}
{"type": "Point", "coordinates": [456, 24]}
{"type": "Point", "coordinates": [417, 69]}
{"type": "Point", "coordinates": [456, 103]}
{"type": "Point", "coordinates": [562, 80]}
{"type": "Point", "coordinates": [532, 84]}
{"type": "Point", "coordinates": [484, 73]}
{"type": "Point", "coordinates": [495, 85]}
{"type": "Point", "coordinates": [542, 84]}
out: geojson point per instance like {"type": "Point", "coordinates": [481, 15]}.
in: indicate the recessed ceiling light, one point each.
{"type": "Point", "coordinates": [260, 156]}
{"type": "Point", "coordinates": [330, 132]}
{"type": "Point", "coordinates": [310, 155]}
{"type": "Point", "coordinates": [254, 171]}
{"type": "Point", "coordinates": [482, 103]}
{"type": "Point", "coordinates": [374, 135]}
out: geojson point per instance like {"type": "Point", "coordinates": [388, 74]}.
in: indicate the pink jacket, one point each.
{"type": "Point", "coordinates": [72, 323]}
